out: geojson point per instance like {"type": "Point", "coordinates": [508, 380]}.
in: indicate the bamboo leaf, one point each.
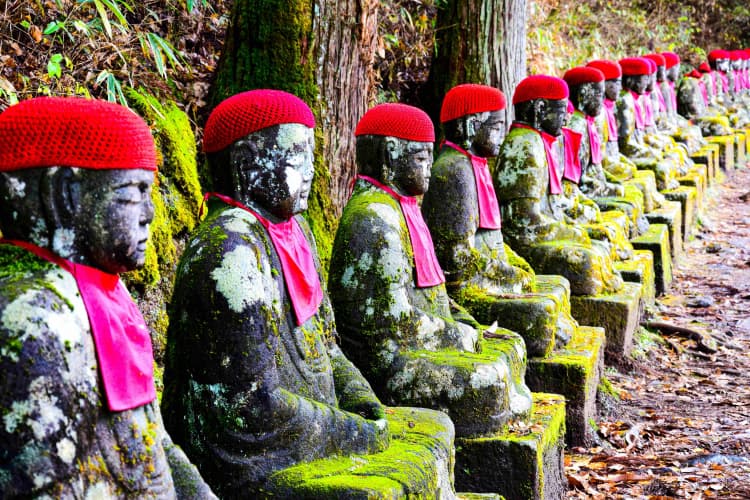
{"type": "Point", "coordinates": [103, 15]}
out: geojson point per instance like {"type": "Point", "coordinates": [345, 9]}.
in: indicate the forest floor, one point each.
{"type": "Point", "coordinates": [680, 427]}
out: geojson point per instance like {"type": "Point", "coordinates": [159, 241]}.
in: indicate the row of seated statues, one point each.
{"type": "Point", "coordinates": [269, 366]}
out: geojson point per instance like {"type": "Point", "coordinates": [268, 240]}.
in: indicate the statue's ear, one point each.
{"type": "Point", "coordinates": [392, 150]}
{"type": "Point", "coordinates": [60, 195]}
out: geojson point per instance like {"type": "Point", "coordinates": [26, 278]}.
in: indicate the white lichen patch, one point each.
{"type": "Point", "coordinates": [19, 410]}
{"type": "Point", "coordinates": [63, 240]}
{"type": "Point", "coordinates": [291, 134]}
{"type": "Point", "coordinates": [237, 221]}
{"type": "Point", "coordinates": [469, 337]}
{"type": "Point", "coordinates": [66, 450]}
{"type": "Point", "coordinates": [400, 304]}
{"type": "Point", "coordinates": [487, 375]}
{"type": "Point", "coordinates": [99, 491]}
{"type": "Point", "coordinates": [387, 213]}
{"type": "Point", "coordinates": [40, 412]}
{"type": "Point", "coordinates": [427, 328]}
{"type": "Point", "coordinates": [17, 187]}
{"type": "Point", "coordinates": [347, 278]}
{"type": "Point", "coordinates": [243, 281]}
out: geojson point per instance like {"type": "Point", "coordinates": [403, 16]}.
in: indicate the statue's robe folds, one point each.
{"type": "Point", "coordinates": [412, 344]}
{"type": "Point", "coordinates": [248, 391]}
{"type": "Point", "coordinates": [534, 221]}
{"type": "Point", "coordinates": [58, 439]}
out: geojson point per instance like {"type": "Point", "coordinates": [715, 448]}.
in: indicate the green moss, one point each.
{"type": "Point", "coordinates": [606, 387]}
{"type": "Point", "coordinates": [406, 467]}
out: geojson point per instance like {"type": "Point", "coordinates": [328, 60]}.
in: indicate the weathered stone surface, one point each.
{"type": "Point", "coordinates": [670, 214]}
{"type": "Point", "coordinates": [417, 464]}
{"type": "Point", "coordinates": [727, 153]}
{"type": "Point", "coordinates": [518, 464]}
{"type": "Point", "coordinates": [619, 314]}
{"type": "Point", "coordinates": [640, 269]}
{"type": "Point", "coordinates": [656, 240]}
{"type": "Point", "coordinates": [686, 196]}
{"type": "Point", "coordinates": [574, 372]}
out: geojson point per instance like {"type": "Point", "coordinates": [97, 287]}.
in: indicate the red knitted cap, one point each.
{"type": "Point", "coordinates": [671, 59]}
{"type": "Point", "coordinates": [470, 98]}
{"type": "Point", "coordinates": [635, 66]}
{"type": "Point", "coordinates": [541, 87]}
{"type": "Point", "coordinates": [656, 58]}
{"type": "Point", "coordinates": [397, 120]}
{"type": "Point", "coordinates": [583, 74]}
{"type": "Point", "coordinates": [651, 65]}
{"type": "Point", "coordinates": [736, 55]}
{"type": "Point", "coordinates": [74, 132]}
{"type": "Point", "coordinates": [717, 54]}
{"type": "Point", "coordinates": [248, 112]}
{"type": "Point", "coordinates": [704, 67]}
{"type": "Point", "coordinates": [610, 69]}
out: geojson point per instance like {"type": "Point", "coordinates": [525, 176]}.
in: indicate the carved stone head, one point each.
{"type": "Point", "coordinates": [472, 118]}
{"type": "Point", "coordinates": [75, 177]}
{"type": "Point", "coordinates": [541, 101]}
{"type": "Point", "coordinates": [394, 146]}
{"type": "Point", "coordinates": [636, 83]}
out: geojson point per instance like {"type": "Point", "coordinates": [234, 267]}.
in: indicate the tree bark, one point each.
{"type": "Point", "coordinates": [321, 51]}
{"type": "Point", "coordinates": [477, 41]}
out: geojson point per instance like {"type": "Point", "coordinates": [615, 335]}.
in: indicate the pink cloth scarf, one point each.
{"type": "Point", "coordinates": [609, 110]}
{"type": "Point", "coordinates": [121, 337]}
{"type": "Point", "coordinates": [640, 122]}
{"type": "Point", "coordinates": [426, 264]}
{"type": "Point", "coordinates": [489, 210]}
{"type": "Point", "coordinates": [595, 140]}
{"type": "Point", "coordinates": [572, 145]}
{"type": "Point", "coordinates": [297, 263]}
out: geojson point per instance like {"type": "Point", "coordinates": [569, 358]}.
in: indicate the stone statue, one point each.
{"type": "Point", "coordinates": [461, 211]}
{"type": "Point", "coordinates": [80, 414]}
{"type": "Point", "coordinates": [395, 318]}
{"type": "Point", "coordinates": [631, 125]}
{"type": "Point", "coordinates": [255, 382]}
{"type": "Point", "coordinates": [694, 104]}
{"type": "Point", "coordinates": [528, 183]}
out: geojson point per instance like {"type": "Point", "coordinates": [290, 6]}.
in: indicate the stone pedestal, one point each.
{"type": "Point", "coordinates": [417, 464]}
{"type": "Point", "coordinates": [640, 269]}
{"type": "Point", "coordinates": [708, 157]}
{"type": "Point", "coordinates": [697, 178]}
{"type": "Point", "coordinates": [573, 371]}
{"type": "Point", "coordinates": [686, 196]}
{"type": "Point", "coordinates": [526, 464]}
{"type": "Point", "coordinates": [670, 214]}
{"type": "Point", "coordinates": [619, 314]}
{"type": "Point", "coordinates": [727, 151]}
{"type": "Point", "coordinates": [656, 240]}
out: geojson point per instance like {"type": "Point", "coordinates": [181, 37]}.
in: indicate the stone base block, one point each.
{"type": "Point", "coordinates": [656, 240]}
{"type": "Point", "coordinates": [741, 144]}
{"type": "Point", "coordinates": [574, 372]}
{"type": "Point", "coordinates": [670, 214]}
{"type": "Point", "coordinates": [707, 157]}
{"type": "Point", "coordinates": [727, 152]}
{"type": "Point", "coordinates": [696, 178]}
{"type": "Point", "coordinates": [619, 314]}
{"type": "Point", "coordinates": [417, 464]}
{"type": "Point", "coordinates": [687, 196]}
{"type": "Point", "coordinates": [640, 269]}
{"type": "Point", "coordinates": [526, 464]}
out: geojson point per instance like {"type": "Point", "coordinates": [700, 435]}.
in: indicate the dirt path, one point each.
{"type": "Point", "coordinates": [681, 427]}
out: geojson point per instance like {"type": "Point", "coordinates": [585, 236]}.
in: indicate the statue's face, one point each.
{"type": "Point", "coordinates": [553, 113]}
{"type": "Point", "coordinates": [637, 83]}
{"type": "Point", "coordinates": [591, 98]}
{"type": "Point", "coordinates": [612, 88]}
{"type": "Point", "coordinates": [275, 166]}
{"type": "Point", "coordinates": [410, 164]}
{"type": "Point", "coordinates": [112, 218]}
{"type": "Point", "coordinates": [650, 82]}
{"type": "Point", "coordinates": [673, 73]}
{"type": "Point", "coordinates": [736, 64]}
{"type": "Point", "coordinates": [490, 135]}
{"type": "Point", "coordinates": [722, 64]}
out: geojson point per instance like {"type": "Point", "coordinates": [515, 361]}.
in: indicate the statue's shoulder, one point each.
{"type": "Point", "coordinates": [373, 208]}
{"type": "Point", "coordinates": [520, 147]}
{"type": "Point", "coordinates": [577, 122]}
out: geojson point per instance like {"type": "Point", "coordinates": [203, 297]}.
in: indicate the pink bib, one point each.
{"type": "Point", "coordinates": [426, 264]}
{"type": "Point", "coordinates": [672, 96]}
{"type": "Point", "coordinates": [489, 210]}
{"type": "Point", "coordinates": [297, 263]}
{"type": "Point", "coordinates": [660, 100]}
{"type": "Point", "coordinates": [555, 180]}
{"type": "Point", "coordinates": [648, 109]}
{"type": "Point", "coordinates": [121, 337]}
{"type": "Point", "coordinates": [595, 140]}
{"type": "Point", "coordinates": [609, 109]}
{"type": "Point", "coordinates": [572, 145]}
{"type": "Point", "coordinates": [638, 111]}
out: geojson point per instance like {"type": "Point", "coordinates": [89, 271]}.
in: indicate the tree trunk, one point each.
{"type": "Point", "coordinates": [321, 51]}
{"type": "Point", "coordinates": [477, 41]}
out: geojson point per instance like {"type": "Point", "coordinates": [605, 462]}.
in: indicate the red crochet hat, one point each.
{"type": "Point", "coordinates": [583, 74]}
{"type": "Point", "coordinates": [635, 66]}
{"type": "Point", "coordinates": [656, 58]}
{"type": "Point", "coordinates": [671, 59]}
{"type": "Point", "coordinates": [694, 74]}
{"type": "Point", "coordinates": [610, 69]}
{"type": "Point", "coordinates": [717, 54]}
{"type": "Point", "coordinates": [74, 132]}
{"type": "Point", "coordinates": [704, 67]}
{"type": "Point", "coordinates": [250, 111]}
{"type": "Point", "coordinates": [470, 98]}
{"type": "Point", "coordinates": [541, 87]}
{"type": "Point", "coordinates": [397, 120]}
{"type": "Point", "coordinates": [734, 55]}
